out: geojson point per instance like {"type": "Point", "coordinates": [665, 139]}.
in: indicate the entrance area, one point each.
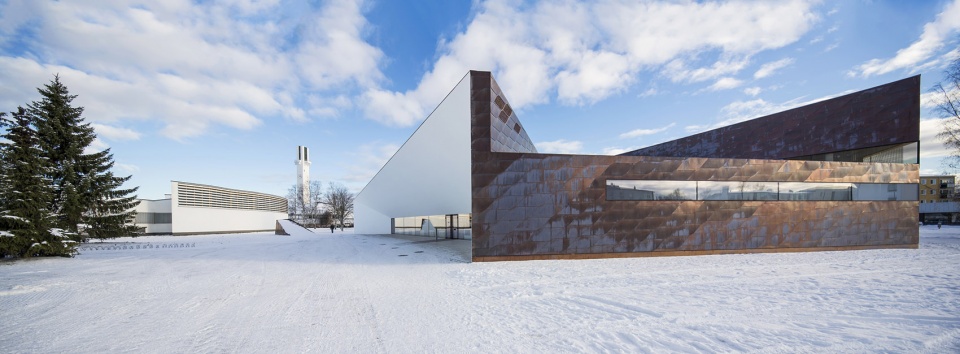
{"type": "Point", "coordinates": [449, 226]}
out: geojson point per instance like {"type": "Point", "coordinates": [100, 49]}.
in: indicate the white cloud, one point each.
{"type": "Point", "coordinates": [931, 40]}
{"type": "Point", "coordinates": [335, 52]}
{"type": "Point", "coordinates": [644, 132]}
{"type": "Point", "coordinates": [193, 66]}
{"type": "Point", "coordinates": [393, 108]}
{"type": "Point", "coordinates": [617, 151]}
{"type": "Point", "coordinates": [739, 111]}
{"type": "Point", "coordinates": [930, 146]}
{"type": "Point", "coordinates": [649, 92]}
{"type": "Point", "coordinates": [772, 67]}
{"type": "Point", "coordinates": [725, 83]}
{"type": "Point", "coordinates": [96, 145]}
{"type": "Point", "coordinates": [833, 46]}
{"type": "Point", "coordinates": [930, 100]}
{"type": "Point", "coordinates": [115, 133]}
{"type": "Point", "coordinates": [126, 168]}
{"type": "Point", "coordinates": [197, 66]}
{"type": "Point", "coordinates": [940, 62]}
{"type": "Point", "coordinates": [368, 160]}
{"type": "Point", "coordinates": [678, 72]}
{"type": "Point", "coordinates": [586, 52]}
{"type": "Point", "coordinates": [752, 91]}
{"type": "Point", "coordinates": [598, 75]}
{"type": "Point", "coordinates": [559, 147]}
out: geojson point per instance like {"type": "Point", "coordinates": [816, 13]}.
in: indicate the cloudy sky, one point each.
{"type": "Point", "coordinates": [222, 92]}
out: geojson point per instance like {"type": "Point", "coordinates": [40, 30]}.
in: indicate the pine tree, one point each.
{"type": "Point", "coordinates": [86, 195]}
{"type": "Point", "coordinates": [109, 209]}
{"type": "Point", "coordinates": [26, 218]}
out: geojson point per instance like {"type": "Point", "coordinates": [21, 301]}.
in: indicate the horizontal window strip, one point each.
{"type": "Point", "coordinates": [783, 191]}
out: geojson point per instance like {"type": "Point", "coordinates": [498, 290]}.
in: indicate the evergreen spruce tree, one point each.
{"type": "Point", "coordinates": [86, 195]}
{"type": "Point", "coordinates": [108, 209]}
{"type": "Point", "coordinates": [7, 241]}
{"type": "Point", "coordinates": [27, 191]}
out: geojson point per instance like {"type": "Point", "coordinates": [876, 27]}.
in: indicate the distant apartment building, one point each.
{"type": "Point", "coordinates": [936, 189]}
{"type": "Point", "coordinates": [937, 202]}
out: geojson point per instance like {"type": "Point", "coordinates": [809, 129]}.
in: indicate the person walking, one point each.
{"type": "Point", "coordinates": [939, 224]}
{"type": "Point", "coordinates": [331, 228]}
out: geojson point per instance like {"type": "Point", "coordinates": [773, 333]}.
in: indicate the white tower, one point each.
{"type": "Point", "coordinates": [303, 171]}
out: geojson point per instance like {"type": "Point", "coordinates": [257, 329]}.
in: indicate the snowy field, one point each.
{"type": "Point", "coordinates": [346, 293]}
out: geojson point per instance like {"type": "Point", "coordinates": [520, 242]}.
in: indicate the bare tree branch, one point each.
{"type": "Point", "coordinates": [339, 201]}
{"type": "Point", "coordinates": [948, 106]}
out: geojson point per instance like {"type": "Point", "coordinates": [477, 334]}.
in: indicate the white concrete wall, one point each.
{"type": "Point", "coordinates": [429, 175]}
{"type": "Point", "coordinates": [155, 206]}
{"type": "Point", "coordinates": [193, 220]}
{"type": "Point", "coordinates": [198, 220]}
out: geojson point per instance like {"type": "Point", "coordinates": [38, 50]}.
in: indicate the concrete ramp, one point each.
{"type": "Point", "coordinates": [280, 231]}
{"type": "Point", "coordinates": [287, 227]}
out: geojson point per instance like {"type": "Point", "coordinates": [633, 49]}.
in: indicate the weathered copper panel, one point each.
{"type": "Point", "coordinates": [537, 206]}
{"type": "Point", "coordinates": [884, 115]}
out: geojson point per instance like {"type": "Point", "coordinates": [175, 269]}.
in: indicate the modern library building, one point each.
{"type": "Point", "coordinates": [839, 174]}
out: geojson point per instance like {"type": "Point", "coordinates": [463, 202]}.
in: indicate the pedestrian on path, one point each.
{"type": "Point", "coordinates": [331, 228]}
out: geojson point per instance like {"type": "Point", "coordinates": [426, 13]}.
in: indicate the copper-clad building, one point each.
{"type": "Point", "coordinates": [833, 175]}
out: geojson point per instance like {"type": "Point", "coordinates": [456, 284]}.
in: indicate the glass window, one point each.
{"type": "Point", "coordinates": [885, 191]}
{"type": "Point", "coordinates": [651, 190]}
{"type": "Point", "coordinates": [815, 191]}
{"type": "Point", "coordinates": [724, 190]}
{"type": "Point", "coordinates": [732, 190]}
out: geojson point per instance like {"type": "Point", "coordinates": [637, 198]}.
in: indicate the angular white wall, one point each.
{"type": "Point", "coordinates": [429, 175]}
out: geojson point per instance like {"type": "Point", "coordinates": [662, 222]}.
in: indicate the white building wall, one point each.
{"type": "Point", "coordinates": [154, 206]}
{"type": "Point", "coordinates": [195, 220]}
{"type": "Point", "coordinates": [201, 220]}
{"type": "Point", "coordinates": [429, 175]}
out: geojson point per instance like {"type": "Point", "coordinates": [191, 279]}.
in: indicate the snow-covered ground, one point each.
{"type": "Point", "coordinates": [342, 292]}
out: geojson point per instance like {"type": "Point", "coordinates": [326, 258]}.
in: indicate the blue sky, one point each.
{"type": "Point", "coordinates": [222, 92]}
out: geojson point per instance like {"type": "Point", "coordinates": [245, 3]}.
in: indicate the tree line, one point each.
{"type": "Point", "coordinates": [318, 206]}
{"type": "Point", "coordinates": [54, 191]}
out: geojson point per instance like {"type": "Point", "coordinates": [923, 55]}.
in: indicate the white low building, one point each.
{"type": "Point", "coordinates": [203, 209]}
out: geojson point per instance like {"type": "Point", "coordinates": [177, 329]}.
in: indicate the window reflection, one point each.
{"type": "Point", "coordinates": [815, 191]}
{"type": "Point", "coordinates": [651, 190]}
{"type": "Point", "coordinates": [444, 226]}
{"type": "Point", "coordinates": [736, 190]}
{"type": "Point", "coordinates": [724, 190]}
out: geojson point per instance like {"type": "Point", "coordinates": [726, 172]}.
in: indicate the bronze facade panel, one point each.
{"type": "Point", "coordinates": [556, 204]}
{"type": "Point", "coordinates": [537, 206]}
{"type": "Point", "coordinates": [881, 116]}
